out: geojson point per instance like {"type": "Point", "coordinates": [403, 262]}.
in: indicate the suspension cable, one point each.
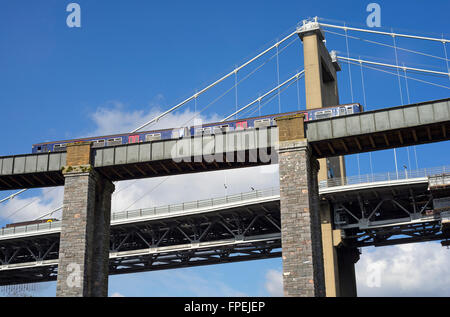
{"type": "Point", "coordinates": [49, 213]}
{"type": "Point", "coordinates": [393, 66]}
{"type": "Point", "coordinates": [351, 87]}
{"type": "Point", "coordinates": [446, 58]}
{"type": "Point", "coordinates": [259, 105]}
{"type": "Point", "coordinates": [240, 81]}
{"type": "Point", "coordinates": [412, 78]}
{"type": "Point", "coordinates": [401, 95]}
{"type": "Point", "coordinates": [215, 83]}
{"type": "Point", "coordinates": [263, 96]}
{"type": "Point", "coordinates": [195, 103]}
{"type": "Point", "coordinates": [13, 195]}
{"type": "Point", "coordinates": [387, 45]}
{"type": "Point", "coordinates": [384, 33]}
{"type": "Point", "coordinates": [298, 95]}
{"type": "Point", "coordinates": [365, 105]}
{"type": "Point", "coordinates": [271, 98]}
{"type": "Point", "coordinates": [235, 89]}
{"type": "Point", "coordinates": [398, 72]}
{"type": "Point", "coordinates": [409, 102]}
{"type": "Point", "coordinates": [278, 82]}
{"type": "Point", "coordinates": [349, 69]}
{"type": "Point", "coordinates": [28, 204]}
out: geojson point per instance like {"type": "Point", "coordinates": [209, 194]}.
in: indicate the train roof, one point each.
{"type": "Point", "coordinates": [210, 123]}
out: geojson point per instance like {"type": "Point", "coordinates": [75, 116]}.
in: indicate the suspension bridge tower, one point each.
{"type": "Point", "coordinates": [315, 263]}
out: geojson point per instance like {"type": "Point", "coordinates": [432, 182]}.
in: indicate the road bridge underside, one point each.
{"type": "Point", "coordinates": [374, 216]}
{"type": "Point", "coordinates": [387, 216]}
{"type": "Point", "coordinates": [238, 234]}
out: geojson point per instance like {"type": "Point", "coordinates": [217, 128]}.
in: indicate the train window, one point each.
{"type": "Point", "coordinates": [39, 148]}
{"type": "Point", "coordinates": [241, 125]}
{"type": "Point", "coordinates": [152, 137]}
{"type": "Point", "coordinates": [262, 123]}
{"type": "Point", "coordinates": [349, 109]}
{"type": "Point", "coordinates": [342, 111]}
{"type": "Point", "coordinates": [59, 147]}
{"type": "Point", "coordinates": [180, 133]}
{"type": "Point", "coordinates": [221, 128]}
{"type": "Point", "coordinates": [200, 131]}
{"type": "Point", "coordinates": [98, 143]}
{"type": "Point", "coordinates": [114, 141]}
{"type": "Point", "coordinates": [323, 114]}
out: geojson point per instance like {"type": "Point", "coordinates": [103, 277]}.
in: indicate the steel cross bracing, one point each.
{"type": "Point", "coordinates": [236, 234]}
{"type": "Point", "coordinates": [389, 215]}
{"type": "Point", "coordinates": [241, 227]}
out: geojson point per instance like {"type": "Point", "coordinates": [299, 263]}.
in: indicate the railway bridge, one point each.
{"type": "Point", "coordinates": [318, 229]}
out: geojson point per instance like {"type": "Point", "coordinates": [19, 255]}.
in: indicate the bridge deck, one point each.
{"type": "Point", "coordinates": [229, 229]}
{"type": "Point", "coordinates": [369, 131]}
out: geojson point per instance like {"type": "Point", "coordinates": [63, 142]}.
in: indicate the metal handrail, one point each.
{"type": "Point", "coordinates": [30, 228]}
{"type": "Point", "coordinates": [383, 177]}
{"type": "Point", "coordinates": [211, 202]}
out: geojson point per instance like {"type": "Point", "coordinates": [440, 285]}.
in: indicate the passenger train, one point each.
{"type": "Point", "coordinates": [209, 128]}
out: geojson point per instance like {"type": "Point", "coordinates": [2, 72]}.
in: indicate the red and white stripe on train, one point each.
{"type": "Point", "coordinates": [209, 128]}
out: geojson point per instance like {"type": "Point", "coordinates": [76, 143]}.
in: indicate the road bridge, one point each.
{"type": "Point", "coordinates": [318, 230]}
{"type": "Point", "coordinates": [369, 210]}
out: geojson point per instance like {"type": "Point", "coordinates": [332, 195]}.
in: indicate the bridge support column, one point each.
{"type": "Point", "coordinates": [303, 271]}
{"type": "Point", "coordinates": [347, 257]}
{"type": "Point", "coordinates": [321, 90]}
{"type": "Point", "coordinates": [339, 260]}
{"type": "Point", "coordinates": [84, 241]}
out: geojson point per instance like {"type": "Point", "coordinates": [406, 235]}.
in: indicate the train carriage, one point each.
{"type": "Point", "coordinates": [209, 128]}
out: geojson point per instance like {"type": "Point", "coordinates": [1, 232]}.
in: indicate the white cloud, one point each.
{"type": "Point", "coordinates": [114, 118]}
{"type": "Point", "coordinates": [182, 282]}
{"type": "Point", "coordinates": [274, 283]}
{"type": "Point", "coordinates": [42, 201]}
{"type": "Point", "coordinates": [116, 294]}
{"type": "Point", "coordinates": [419, 269]}
{"type": "Point", "coordinates": [152, 192]}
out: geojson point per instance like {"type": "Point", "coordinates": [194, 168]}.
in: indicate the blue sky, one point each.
{"type": "Point", "coordinates": [132, 59]}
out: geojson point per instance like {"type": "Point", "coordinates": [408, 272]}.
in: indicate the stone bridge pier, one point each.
{"type": "Point", "coordinates": [303, 266]}
{"type": "Point", "coordinates": [84, 241]}
{"type": "Point", "coordinates": [315, 261]}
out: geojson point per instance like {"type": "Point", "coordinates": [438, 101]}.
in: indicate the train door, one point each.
{"type": "Point", "coordinates": [241, 125]}
{"type": "Point", "coordinates": [133, 138]}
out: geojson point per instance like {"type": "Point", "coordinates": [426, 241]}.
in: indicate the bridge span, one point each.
{"type": "Point", "coordinates": [316, 229]}
{"type": "Point", "coordinates": [369, 210]}
{"type": "Point", "coordinates": [420, 123]}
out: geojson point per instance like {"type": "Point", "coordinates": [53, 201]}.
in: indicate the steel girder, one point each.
{"type": "Point", "coordinates": [387, 216]}
{"type": "Point", "coordinates": [242, 233]}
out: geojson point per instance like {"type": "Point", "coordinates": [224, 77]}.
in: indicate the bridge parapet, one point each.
{"type": "Point", "coordinates": [381, 129]}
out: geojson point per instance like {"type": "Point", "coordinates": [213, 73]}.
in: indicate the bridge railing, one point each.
{"type": "Point", "coordinates": [169, 209]}
{"type": "Point", "coordinates": [212, 202]}
{"type": "Point", "coordinates": [384, 177]}
{"type": "Point", "coordinates": [197, 204]}
{"type": "Point", "coordinates": [30, 228]}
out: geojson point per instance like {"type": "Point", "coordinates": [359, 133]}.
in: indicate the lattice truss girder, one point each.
{"type": "Point", "coordinates": [387, 216]}
{"type": "Point", "coordinates": [245, 233]}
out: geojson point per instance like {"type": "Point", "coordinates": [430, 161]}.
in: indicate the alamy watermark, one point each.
{"type": "Point", "coordinates": [210, 144]}
{"type": "Point", "coordinates": [373, 278]}
{"type": "Point", "coordinates": [74, 18]}
{"type": "Point", "coordinates": [374, 18]}
{"type": "Point", "coordinates": [74, 277]}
